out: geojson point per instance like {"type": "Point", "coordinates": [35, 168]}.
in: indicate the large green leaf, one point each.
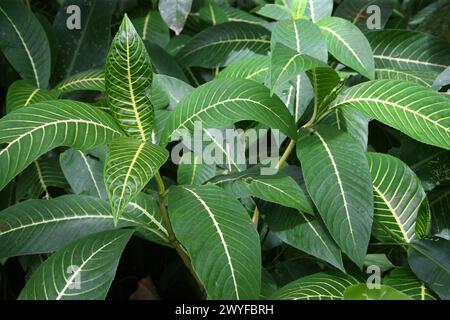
{"type": "Point", "coordinates": [87, 80]}
{"type": "Point", "coordinates": [194, 172]}
{"type": "Point", "coordinates": [225, 251]}
{"type": "Point", "coordinates": [319, 286]}
{"type": "Point", "coordinates": [409, 50]}
{"type": "Point", "coordinates": [24, 43]}
{"type": "Point", "coordinates": [424, 78]}
{"type": "Point", "coordinates": [71, 217]}
{"type": "Point", "coordinates": [222, 102]}
{"type": "Point", "coordinates": [223, 44]}
{"type": "Point", "coordinates": [429, 259]}
{"type": "Point", "coordinates": [128, 82]}
{"type": "Point", "coordinates": [280, 189]}
{"type": "Point", "coordinates": [152, 27]}
{"type": "Point", "coordinates": [84, 48]}
{"type": "Point", "coordinates": [398, 195]}
{"type": "Point", "coordinates": [440, 206]}
{"type": "Point", "coordinates": [34, 130]}
{"type": "Point", "coordinates": [404, 280]}
{"type": "Point", "coordinates": [356, 12]}
{"type": "Point", "coordinates": [129, 166]}
{"type": "Point", "coordinates": [413, 109]}
{"type": "Point", "coordinates": [22, 94]}
{"type": "Point", "coordinates": [349, 45]}
{"type": "Point", "coordinates": [303, 232]}
{"type": "Point", "coordinates": [38, 178]}
{"type": "Point", "coordinates": [254, 68]}
{"type": "Point", "coordinates": [175, 13]}
{"type": "Point", "coordinates": [84, 270]}
{"type": "Point", "coordinates": [318, 9]}
{"type": "Point", "coordinates": [363, 292]}
{"type": "Point", "coordinates": [84, 171]}
{"type": "Point", "coordinates": [337, 177]}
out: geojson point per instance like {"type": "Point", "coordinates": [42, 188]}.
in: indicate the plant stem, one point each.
{"type": "Point", "coordinates": [171, 235]}
{"type": "Point", "coordinates": [255, 217]}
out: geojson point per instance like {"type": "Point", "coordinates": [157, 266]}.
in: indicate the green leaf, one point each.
{"type": "Point", "coordinates": [152, 28]}
{"type": "Point", "coordinates": [348, 45]}
{"type": "Point", "coordinates": [305, 233]}
{"type": "Point", "coordinates": [380, 260]}
{"type": "Point", "coordinates": [237, 15]}
{"type": "Point", "coordinates": [93, 80]}
{"type": "Point", "coordinates": [274, 12]}
{"type": "Point", "coordinates": [164, 63]}
{"type": "Point", "coordinates": [128, 81]}
{"type": "Point", "coordinates": [92, 261]}
{"type": "Point", "coordinates": [409, 50]}
{"type": "Point", "coordinates": [280, 189]}
{"type": "Point", "coordinates": [254, 68]}
{"type": "Point", "coordinates": [174, 13]}
{"type": "Point", "coordinates": [129, 166]}
{"type": "Point", "coordinates": [223, 44]}
{"type": "Point", "coordinates": [404, 280]}
{"type": "Point", "coordinates": [222, 102]}
{"type": "Point", "coordinates": [36, 180]}
{"type": "Point", "coordinates": [384, 292]}
{"type": "Point", "coordinates": [225, 252]}
{"type": "Point", "coordinates": [84, 48]}
{"type": "Point", "coordinates": [173, 88]}
{"type": "Point", "coordinates": [337, 177]}
{"type": "Point", "coordinates": [24, 43]}
{"type": "Point", "coordinates": [424, 78]}
{"type": "Point", "coordinates": [22, 94]}
{"type": "Point", "coordinates": [69, 218]}
{"type": "Point", "coordinates": [440, 204]}
{"type": "Point", "coordinates": [298, 8]}
{"type": "Point", "coordinates": [398, 195]}
{"type": "Point", "coordinates": [318, 9]}
{"type": "Point", "coordinates": [195, 172]}
{"type": "Point", "coordinates": [356, 12]}
{"type": "Point", "coordinates": [442, 80]}
{"type": "Point", "coordinates": [429, 259]}
{"type": "Point", "coordinates": [37, 129]}
{"type": "Point", "coordinates": [326, 84]}
{"type": "Point", "coordinates": [84, 171]}
{"type": "Point", "coordinates": [351, 121]}
{"type": "Point", "coordinates": [286, 64]}
{"type": "Point", "coordinates": [301, 35]}
{"type": "Point", "coordinates": [328, 285]}
{"type": "Point", "coordinates": [416, 111]}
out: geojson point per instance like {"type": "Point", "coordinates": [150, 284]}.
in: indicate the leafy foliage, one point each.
{"type": "Point", "coordinates": [228, 149]}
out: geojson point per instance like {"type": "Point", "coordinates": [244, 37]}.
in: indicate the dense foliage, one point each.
{"type": "Point", "coordinates": [101, 98]}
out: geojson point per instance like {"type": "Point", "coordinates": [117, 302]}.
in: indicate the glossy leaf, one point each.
{"type": "Point", "coordinates": [46, 125]}
{"type": "Point", "coordinates": [22, 94]}
{"type": "Point", "coordinates": [224, 44]}
{"type": "Point", "coordinates": [128, 82]}
{"type": "Point", "coordinates": [91, 260]}
{"type": "Point", "coordinates": [129, 166]}
{"type": "Point", "coordinates": [337, 177]}
{"type": "Point", "coordinates": [174, 13]}
{"type": "Point", "coordinates": [416, 111]}
{"type": "Point", "coordinates": [384, 292]}
{"type": "Point", "coordinates": [233, 100]}
{"type": "Point", "coordinates": [24, 43]}
{"type": "Point", "coordinates": [349, 45]}
{"type": "Point", "coordinates": [225, 253]}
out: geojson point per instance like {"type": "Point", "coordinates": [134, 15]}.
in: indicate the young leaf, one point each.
{"type": "Point", "coordinates": [37, 129]}
{"type": "Point", "coordinates": [404, 280]}
{"type": "Point", "coordinates": [429, 259]}
{"type": "Point", "coordinates": [338, 179]}
{"type": "Point", "coordinates": [91, 260]}
{"type": "Point", "coordinates": [93, 80]}
{"type": "Point", "coordinates": [328, 285]}
{"type": "Point", "coordinates": [398, 195]}
{"type": "Point", "coordinates": [174, 13]}
{"type": "Point", "coordinates": [409, 50]}
{"type": "Point", "coordinates": [69, 218]}
{"type": "Point", "coordinates": [349, 45]}
{"type": "Point", "coordinates": [128, 82]}
{"type": "Point", "coordinates": [129, 166]}
{"type": "Point", "coordinates": [24, 43]}
{"type": "Point", "coordinates": [305, 233]}
{"type": "Point", "coordinates": [84, 171]}
{"type": "Point", "coordinates": [222, 102]}
{"type": "Point", "coordinates": [223, 44]}
{"type": "Point", "coordinates": [225, 251]}
{"type": "Point", "coordinates": [416, 111]}
{"type": "Point", "coordinates": [22, 94]}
